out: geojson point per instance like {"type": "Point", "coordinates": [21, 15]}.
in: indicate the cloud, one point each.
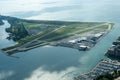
{"type": "Point", "coordinates": [40, 74]}
{"type": "Point", "coordinates": [6, 75]}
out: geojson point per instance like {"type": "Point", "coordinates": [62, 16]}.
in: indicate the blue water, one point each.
{"type": "Point", "coordinates": [58, 63]}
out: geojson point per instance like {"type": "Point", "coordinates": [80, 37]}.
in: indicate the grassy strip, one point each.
{"type": "Point", "coordinates": [27, 48]}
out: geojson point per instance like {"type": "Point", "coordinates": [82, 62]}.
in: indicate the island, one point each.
{"type": "Point", "coordinates": [30, 34]}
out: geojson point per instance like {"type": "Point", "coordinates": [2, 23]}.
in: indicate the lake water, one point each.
{"type": "Point", "coordinates": [57, 63]}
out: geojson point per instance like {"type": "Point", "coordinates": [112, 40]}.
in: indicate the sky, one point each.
{"type": "Point", "coordinates": [28, 5]}
{"type": "Point", "coordinates": [49, 9]}
{"type": "Point", "coordinates": [8, 6]}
